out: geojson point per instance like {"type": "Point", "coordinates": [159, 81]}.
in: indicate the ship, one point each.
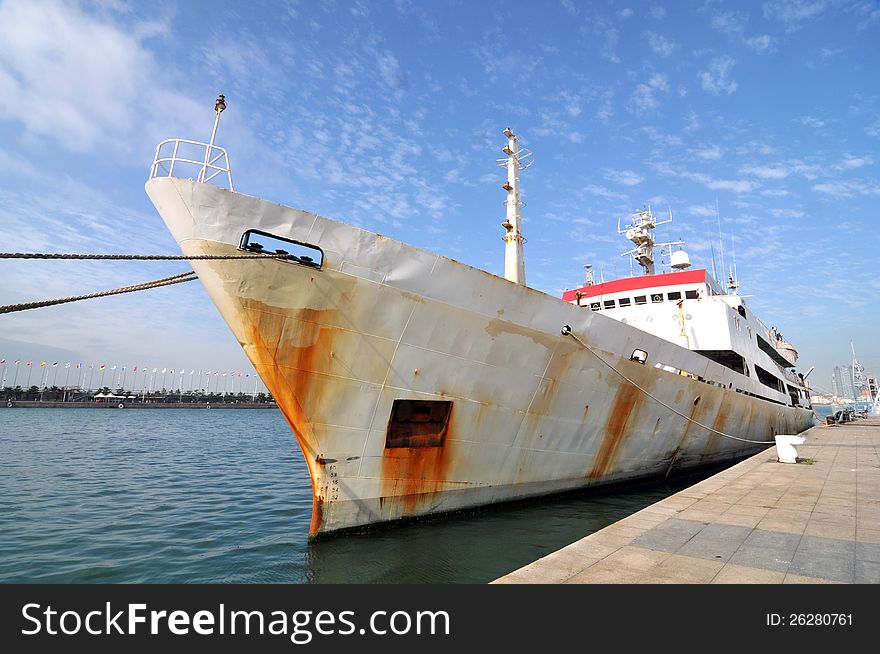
{"type": "Point", "coordinates": [417, 385]}
{"type": "Point", "coordinates": [865, 391]}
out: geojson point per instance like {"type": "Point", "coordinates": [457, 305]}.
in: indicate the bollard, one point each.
{"type": "Point", "coordinates": [785, 451]}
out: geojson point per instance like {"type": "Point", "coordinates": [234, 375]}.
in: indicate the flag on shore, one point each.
{"type": "Point", "coordinates": [42, 363]}
{"type": "Point", "coordinates": [29, 363]}
{"type": "Point", "coordinates": [55, 364]}
{"type": "Point", "coordinates": [67, 365]}
{"type": "Point", "coordinates": [102, 367]}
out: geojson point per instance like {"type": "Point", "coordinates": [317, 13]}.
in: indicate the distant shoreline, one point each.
{"type": "Point", "coordinates": [36, 404]}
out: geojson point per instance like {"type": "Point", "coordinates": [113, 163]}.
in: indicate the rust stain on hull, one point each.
{"type": "Point", "coordinates": [713, 440]}
{"type": "Point", "coordinates": [625, 401]}
{"type": "Point", "coordinates": [286, 347]}
{"type": "Point", "coordinates": [415, 474]}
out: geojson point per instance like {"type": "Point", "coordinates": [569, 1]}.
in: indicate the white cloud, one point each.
{"type": "Point", "coordinates": [644, 96]}
{"type": "Point", "coordinates": [730, 22]}
{"type": "Point", "coordinates": [849, 162]}
{"type": "Point", "coordinates": [760, 44]}
{"type": "Point", "coordinates": [78, 80]}
{"type": "Point", "coordinates": [766, 172]}
{"type": "Point", "coordinates": [709, 153]}
{"type": "Point", "coordinates": [792, 13]}
{"type": "Point", "coordinates": [657, 12]}
{"type": "Point", "coordinates": [603, 192]}
{"type": "Point", "coordinates": [735, 185]}
{"type": "Point", "coordinates": [659, 44]}
{"type": "Point", "coordinates": [704, 210]}
{"type": "Point", "coordinates": [774, 193]}
{"type": "Point", "coordinates": [570, 7]}
{"type": "Point", "coordinates": [714, 80]}
{"type": "Point", "coordinates": [624, 13]}
{"type": "Point", "coordinates": [810, 121]}
{"type": "Point", "coordinates": [625, 177]}
{"type": "Point", "coordinates": [847, 188]}
{"type": "Point", "coordinates": [786, 213]}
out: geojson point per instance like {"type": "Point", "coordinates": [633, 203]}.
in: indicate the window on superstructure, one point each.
{"type": "Point", "coordinates": [691, 295]}
{"type": "Point", "coordinates": [675, 295]}
{"type": "Point", "coordinates": [793, 394]}
{"type": "Point", "coordinates": [609, 304]}
{"type": "Point", "coordinates": [727, 358]}
{"type": "Point", "coordinates": [769, 379]}
{"type": "Point", "coordinates": [624, 302]}
{"type": "Point", "coordinates": [658, 297]}
{"type": "Point", "coordinates": [741, 310]}
{"type": "Point", "coordinates": [639, 356]}
{"type": "Point", "coordinates": [641, 299]}
{"type": "Point", "coordinates": [595, 306]}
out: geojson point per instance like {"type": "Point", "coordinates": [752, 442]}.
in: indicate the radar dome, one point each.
{"type": "Point", "coordinates": [680, 260]}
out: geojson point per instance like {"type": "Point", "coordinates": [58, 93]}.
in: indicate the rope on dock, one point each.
{"type": "Point", "coordinates": [566, 331]}
{"type": "Point", "coordinates": [165, 281]}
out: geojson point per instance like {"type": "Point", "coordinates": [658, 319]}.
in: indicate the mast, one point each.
{"type": "Point", "coordinates": [641, 232]}
{"type": "Point", "coordinates": [219, 107]}
{"type": "Point", "coordinates": [517, 160]}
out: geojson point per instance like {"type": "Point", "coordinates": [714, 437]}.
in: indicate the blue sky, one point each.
{"type": "Point", "coordinates": [389, 115]}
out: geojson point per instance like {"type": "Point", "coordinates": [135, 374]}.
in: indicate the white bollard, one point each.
{"type": "Point", "coordinates": [785, 451]}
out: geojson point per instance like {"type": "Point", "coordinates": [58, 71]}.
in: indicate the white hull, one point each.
{"type": "Point", "coordinates": [533, 411]}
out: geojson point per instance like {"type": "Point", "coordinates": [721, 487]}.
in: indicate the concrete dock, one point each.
{"type": "Point", "coordinates": [758, 522]}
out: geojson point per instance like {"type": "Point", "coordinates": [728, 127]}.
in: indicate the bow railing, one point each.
{"type": "Point", "coordinates": [186, 159]}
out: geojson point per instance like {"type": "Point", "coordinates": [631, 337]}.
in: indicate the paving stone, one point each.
{"type": "Point", "coordinates": [715, 542]}
{"type": "Point", "coordinates": [670, 535]}
{"type": "Point", "coordinates": [867, 572]}
{"type": "Point", "coordinates": [823, 566]}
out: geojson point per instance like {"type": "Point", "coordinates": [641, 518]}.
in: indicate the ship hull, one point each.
{"type": "Point", "coordinates": [530, 410]}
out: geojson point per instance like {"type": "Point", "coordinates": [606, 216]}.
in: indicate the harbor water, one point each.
{"type": "Point", "coordinates": [175, 496]}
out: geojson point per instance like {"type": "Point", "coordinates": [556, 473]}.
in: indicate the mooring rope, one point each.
{"type": "Point", "coordinates": [566, 331]}
{"type": "Point", "coordinates": [165, 281]}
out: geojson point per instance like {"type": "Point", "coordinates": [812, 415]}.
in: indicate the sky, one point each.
{"type": "Point", "coordinates": [388, 115]}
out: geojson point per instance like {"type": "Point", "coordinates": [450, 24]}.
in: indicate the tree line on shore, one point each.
{"type": "Point", "coordinates": [56, 394]}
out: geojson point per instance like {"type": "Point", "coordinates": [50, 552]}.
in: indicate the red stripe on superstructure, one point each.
{"type": "Point", "coordinates": [634, 283]}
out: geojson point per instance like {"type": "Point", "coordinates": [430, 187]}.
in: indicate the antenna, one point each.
{"type": "Point", "coordinates": [712, 250]}
{"type": "Point", "coordinates": [517, 159]}
{"type": "Point", "coordinates": [720, 237]}
{"type": "Point", "coordinates": [733, 248]}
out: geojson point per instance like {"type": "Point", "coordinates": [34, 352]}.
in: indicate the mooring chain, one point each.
{"type": "Point", "coordinates": [566, 331]}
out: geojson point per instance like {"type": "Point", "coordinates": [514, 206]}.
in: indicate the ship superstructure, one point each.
{"type": "Point", "coordinates": [416, 385]}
